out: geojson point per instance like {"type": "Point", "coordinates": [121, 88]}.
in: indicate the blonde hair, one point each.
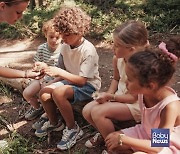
{"type": "Point", "coordinates": [48, 26]}
{"type": "Point", "coordinates": [131, 34]}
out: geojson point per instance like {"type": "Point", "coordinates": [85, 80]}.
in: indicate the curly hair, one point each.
{"type": "Point", "coordinates": [173, 45]}
{"type": "Point", "coordinates": [72, 20]}
{"type": "Point", "coordinates": [152, 65]}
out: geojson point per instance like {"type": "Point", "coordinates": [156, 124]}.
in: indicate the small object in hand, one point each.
{"type": "Point", "coordinates": [41, 66]}
{"type": "Point", "coordinates": [120, 139]}
{"type": "Point", "coordinates": [95, 95]}
{"type": "Point", "coordinates": [37, 69]}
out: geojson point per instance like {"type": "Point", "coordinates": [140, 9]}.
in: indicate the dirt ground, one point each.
{"type": "Point", "coordinates": [14, 107]}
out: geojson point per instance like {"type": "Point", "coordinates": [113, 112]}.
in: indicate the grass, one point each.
{"type": "Point", "coordinates": [17, 144]}
{"type": "Point", "coordinates": [159, 17]}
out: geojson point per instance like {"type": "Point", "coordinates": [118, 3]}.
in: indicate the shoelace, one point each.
{"type": "Point", "coordinates": [46, 125]}
{"type": "Point", "coordinates": [96, 137]}
{"type": "Point", "coordinates": [66, 134]}
{"type": "Point", "coordinates": [40, 120]}
{"type": "Point", "coordinates": [31, 110]}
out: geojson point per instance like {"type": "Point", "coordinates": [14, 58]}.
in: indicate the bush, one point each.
{"type": "Point", "coordinates": [159, 16]}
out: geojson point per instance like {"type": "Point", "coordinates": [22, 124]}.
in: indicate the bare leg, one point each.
{"type": "Point", "coordinates": [48, 104]}
{"type": "Point", "coordinates": [30, 93]}
{"type": "Point", "coordinates": [61, 96]}
{"type": "Point", "coordinates": [87, 112]}
{"type": "Point", "coordinates": [104, 113]}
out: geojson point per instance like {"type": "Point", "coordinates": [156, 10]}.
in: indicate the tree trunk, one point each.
{"type": "Point", "coordinates": [32, 4]}
{"type": "Point", "coordinates": [40, 2]}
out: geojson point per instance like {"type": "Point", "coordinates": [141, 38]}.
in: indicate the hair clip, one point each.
{"type": "Point", "coordinates": [162, 46]}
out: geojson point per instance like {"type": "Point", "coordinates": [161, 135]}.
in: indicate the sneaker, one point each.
{"type": "Point", "coordinates": [104, 152]}
{"type": "Point", "coordinates": [69, 138]}
{"type": "Point", "coordinates": [96, 140]}
{"type": "Point", "coordinates": [33, 113]}
{"type": "Point", "coordinates": [47, 127]}
{"type": "Point", "coordinates": [38, 124]}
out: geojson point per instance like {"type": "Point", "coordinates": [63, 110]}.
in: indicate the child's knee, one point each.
{"type": "Point", "coordinates": [86, 112]}
{"type": "Point", "coordinates": [61, 93]}
{"type": "Point", "coordinates": [97, 113]}
{"type": "Point", "coordinates": [44, 95]}
{"type": "Point", "coordinates": [26, 93]}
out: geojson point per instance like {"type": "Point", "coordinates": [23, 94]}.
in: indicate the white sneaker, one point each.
{"type": "Point", "coordinates": [69, 138]}
{"type": "Point", "coordinates": [95, 141]}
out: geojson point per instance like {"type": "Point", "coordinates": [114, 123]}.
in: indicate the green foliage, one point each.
{"type": "Point", "coordinates": [5, 89]}
{"type": "Point", "coordinates": [159, 16]}
{"type": "Point", "coordinates": [31, 23]}
{"type": "Point", "coordinates": [4, 123]}
{"type": "Point", "coordinates": [17, 144]}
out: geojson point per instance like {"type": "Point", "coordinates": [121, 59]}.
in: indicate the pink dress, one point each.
{"type": "Point", "coordinates": [151, 119]}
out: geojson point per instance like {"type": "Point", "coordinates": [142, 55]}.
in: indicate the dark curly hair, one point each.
{"type": "Point", "coordinates": [72, 20]}
{"type": "Point", "coordinates": [152, 65]}
{"type": "Point", "coordinates": [173, 45]}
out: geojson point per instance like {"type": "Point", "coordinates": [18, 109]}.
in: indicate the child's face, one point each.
{"type": "Point", "coordinates": [11, 14]}
{"type": "Point", "coordinates": [121, 51]}
{"type": "Point", "coordinates": [71, 39]}
{"type": "Point", "coordinates": [132, 82]}
{"type": "Point", "coordinates": [52, 39]}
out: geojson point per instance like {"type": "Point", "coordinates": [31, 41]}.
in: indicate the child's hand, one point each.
{"type": "Point", "coordinates": [34, 75]}
{"type": "Point", "coordinates": [53, 71]}
{"type": "Point", "coordinates": [39, 66]}
{"type": "Point", "coordinates": [102, 97]}
{"type": "Point", "coordinates": [112, 141]}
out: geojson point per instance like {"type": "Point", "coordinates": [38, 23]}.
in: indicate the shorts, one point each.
{"type": "Point", "coordinates": [81, 94]}
{"type": "Point", "coordinates": [137, 132]}
{"type": "Point", "coordinates": [135, 111]}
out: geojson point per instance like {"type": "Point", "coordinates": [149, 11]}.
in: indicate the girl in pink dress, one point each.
{"type": "Point", "coordinates": [149, 73]}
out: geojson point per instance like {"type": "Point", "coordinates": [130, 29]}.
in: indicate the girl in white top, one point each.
{"type": "Point", "coordinates": [116, 103]}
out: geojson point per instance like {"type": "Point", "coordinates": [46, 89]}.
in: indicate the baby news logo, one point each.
{"type": "Point", "coordinates": [159, 137]}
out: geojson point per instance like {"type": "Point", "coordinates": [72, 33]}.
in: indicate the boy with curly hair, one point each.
{"type": "Point", "coordinates": [77, 82]}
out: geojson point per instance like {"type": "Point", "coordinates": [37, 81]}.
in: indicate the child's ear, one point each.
{"type": "Point", "coordinates": [132, 49]}
{"type": "Point", "coordinates": [152, 85]}
{"type": "Point", "coordinates": [2, 5]}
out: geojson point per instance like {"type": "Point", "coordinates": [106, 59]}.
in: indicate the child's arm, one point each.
{"type": "Point", "coordinates": [114, 83]}
{"type": "Point", "coordinates": [169, 115]}
{"type": "Point", "coordinates": [63, 74]}
{"type": "Point", "coordinates": [114, 141]}
{"type": "Point", "coordinates": [125, 98]}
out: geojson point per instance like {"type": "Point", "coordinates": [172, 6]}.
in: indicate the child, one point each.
{"type": "Point", "coordinates": [159, 103]}
{"type": "Point", "coordinates": [116, 103]}
{"type": "Point", "coordinates": [78, 82]}
{"type": "Point", "coordinates": [46, 53]}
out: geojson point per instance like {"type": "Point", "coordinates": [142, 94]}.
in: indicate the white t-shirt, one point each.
{"type": "Point", "coordinates": [82, 61]}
